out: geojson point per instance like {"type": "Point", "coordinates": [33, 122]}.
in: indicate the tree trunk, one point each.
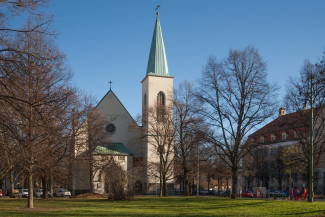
{"type": "Point", "coordinates": [227, 183]}
{"type": "Point", "coordinates": [186, 187]}
{"type": "Point", "coordinates": [4, 192]}
{"type": "Point", "coordinates": [12, 184]}
{"type": "Point", "coordinates": [164, 185]}
{"type": "Point", "coordinates": [51, 185]}
{"type": "Point", "coordinates": [30, 191]}
{"type": "Point", "coordinates": [234, 183]}
{"type": "Point", "coordinates": [45, 188]}
{"type": "Point", "coordinates": [160, 186]}
{"type": "Point", "coordinates": [91, 175]}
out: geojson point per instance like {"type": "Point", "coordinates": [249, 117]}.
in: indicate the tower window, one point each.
{"type": "Point", "coordinates": [145, 99]}
{"type": "Point", "coordinates": [161, 98]}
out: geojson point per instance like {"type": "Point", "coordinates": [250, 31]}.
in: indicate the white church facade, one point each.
{"type": "Point", "coordinates": [127, 142]}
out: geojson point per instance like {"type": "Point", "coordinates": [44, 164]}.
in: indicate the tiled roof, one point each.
{"type": "Point", "coordinates": [283, 123]}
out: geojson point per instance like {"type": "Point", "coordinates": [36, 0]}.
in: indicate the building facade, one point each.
{"type": "Point", "coordinates": [278, 161]}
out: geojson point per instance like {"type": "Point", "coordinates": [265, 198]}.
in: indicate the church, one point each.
{"type": "Point", "coordinates": [128, 144]}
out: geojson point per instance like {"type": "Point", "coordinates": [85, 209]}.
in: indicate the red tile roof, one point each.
{"type": "Point", "coordinates": [284, 123]}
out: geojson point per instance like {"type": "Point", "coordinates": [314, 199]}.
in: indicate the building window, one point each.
{"type": "Point", "coordinates": [315, 132]}
{"type": "Point", "coordinates": [272, 151]}
{"type": "Point", "coordinates": [266, 151]}
{"type": "Point", "coordinates": [121, 158]}
{"type": "Point", "coordinates": [284, 136]}
{"type": "Point", "coordinates": [273, 137]}
{"type": "Point", "coordinates": [145, 99]}
{"type": "Point", "coordinates": [295, 134]}
{"type": "Point", "coordinates": [161, 98]}
{"type": "Point", "coordinates": [316, 178]}
{"type": "Point", "coordinates": [262, 139]}
{"type": "Point", "coordinates": [110, 128]}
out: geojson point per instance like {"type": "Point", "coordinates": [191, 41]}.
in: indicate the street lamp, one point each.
{"type": "Point", "coordinates": [311, 148]}
{"type": "Point", "coordinates": [318, 69]}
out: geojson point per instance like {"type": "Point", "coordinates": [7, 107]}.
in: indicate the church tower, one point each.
{"type": "Point", "coordinates": [157, 87]}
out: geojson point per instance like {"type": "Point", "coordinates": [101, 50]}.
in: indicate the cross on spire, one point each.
{"type": "Point", "coordinates": [110, 85]}
{"type": "Point", "coordinates": [157, 9]}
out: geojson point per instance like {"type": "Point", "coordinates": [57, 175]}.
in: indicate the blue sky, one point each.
{"type": "Point", "coordinates": [110, 40]}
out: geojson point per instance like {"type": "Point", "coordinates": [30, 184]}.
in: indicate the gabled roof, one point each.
{"type": "Point", "coordinates": [112, 149]}
{"type": "Point", "coordinates": [118, 100]}
{"type": "Point", "coordinates": [285, 122]}
{"type": "Point", "coordinates": [157, 62]}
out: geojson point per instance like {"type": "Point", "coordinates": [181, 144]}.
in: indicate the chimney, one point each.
{"type": "Point", "coordinates": [282, 111]}
{"type": "Point", "coordinates": [304, 106]}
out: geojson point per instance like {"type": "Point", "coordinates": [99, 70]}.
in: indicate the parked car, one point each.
{"type": "Point", "coordinates": [23, 193]}
{"type": "Point", "coordinates": [38, 192]}
{"type": "Point", "coordinates": [226, 193]}
{"type": "Point", "coordinates": [278, 194]}
{"type": "Point", "coordinates": [213, 192]}
{"type": "Point", "coordinates": [247, 194]}
{"type": "Point", "coordinates": [220, 192]}
{"type": "Point", "coordinates": [63, 193]}
{"type": "Point", "coordinates": [203, 191]}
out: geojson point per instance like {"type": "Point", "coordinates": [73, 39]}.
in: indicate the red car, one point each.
{"type": "Point", "coordinates": [1, 194]}
{"type": "Point", "coordinates": [247, 194]}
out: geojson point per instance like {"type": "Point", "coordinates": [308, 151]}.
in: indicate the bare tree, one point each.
{"type": "Point", "coordinates": [221, 172]}
{"type": "Point", "coordinates": [309, 124]}
{"type": "Point", "coordinates": [188, 125]}
{"type": "Point", "coordinates": [37, 93]}
{"type": "Point", "coordinates": [89, 132]}
{"type": "Point", "coordinates": [237, 98]}
{"type": "Point", "coordinates": [161, 136]}
{"type": "Point", "coordinates": [294, 164]}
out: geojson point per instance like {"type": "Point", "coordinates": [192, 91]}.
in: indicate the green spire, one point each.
{"type": "Point", "coordinates": [157, 63]}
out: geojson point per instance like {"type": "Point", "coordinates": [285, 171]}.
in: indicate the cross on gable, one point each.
{"type": "Point", "coordinates": [110, 85]}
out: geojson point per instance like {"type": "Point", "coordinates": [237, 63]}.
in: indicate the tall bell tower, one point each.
{"type": "Point", "coordinates": [157, 87]}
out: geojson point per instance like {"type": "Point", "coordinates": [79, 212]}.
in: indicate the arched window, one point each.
{"type": "Point", "coordinates": [161, 98]}
{"type": "Point", "coordinates": [145, 99]}
{"type": "Point", "coordinates": [273, 137]}
{"type": "Point", "coordinates": [161, 106]}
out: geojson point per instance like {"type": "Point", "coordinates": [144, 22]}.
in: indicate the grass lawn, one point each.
{"type": "Point", "coordinates": [170, 206]}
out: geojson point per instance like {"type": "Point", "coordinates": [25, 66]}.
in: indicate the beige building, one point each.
{"type": "Point", "coordinates": [127, 143]}
{"type": "Point", "coordinates": [272, 164]}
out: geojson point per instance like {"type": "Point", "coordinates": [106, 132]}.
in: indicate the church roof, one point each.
{"type": "Point", "coordinates": [157, 62]}
{"type": "Point", "coordinates": [110, 92]}
{"type": "Point", "coordinates": [112, 149]}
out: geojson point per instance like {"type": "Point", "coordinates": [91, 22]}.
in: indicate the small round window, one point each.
{"type": "Point", "coordinates": [110, 128]}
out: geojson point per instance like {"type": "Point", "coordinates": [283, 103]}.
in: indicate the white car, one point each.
{"type": "Point", "coordinates": [63, 193]}
{"type": "Point", "coordinates": [23, 193]}
{"type": "Point", "coordinates": [38, 192]}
